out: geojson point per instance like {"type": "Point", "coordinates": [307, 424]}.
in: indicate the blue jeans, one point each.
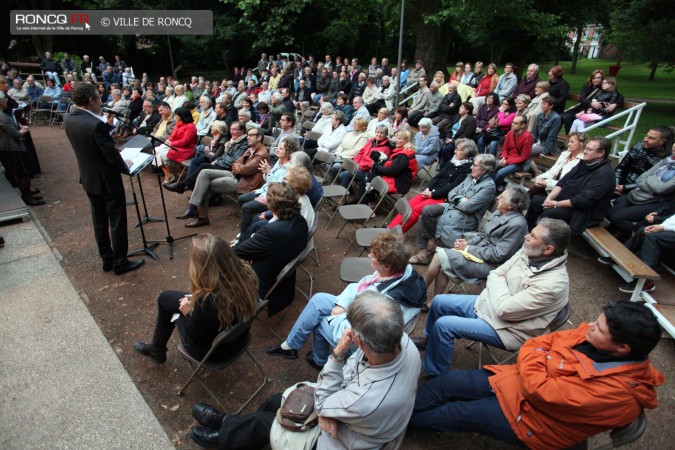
{"type": "Point", "coordinates": [359, 186]}
{"type": "Point", "coordinates": [315, 319]}
{"type": "Point", "coordinates": [505, 171]}
{"type": "Point", "coordinates": [492, 146]}
{"type": "Point", "coordinates": [450, 317]}
{"type": "Point", "coordinates": [462, 401]}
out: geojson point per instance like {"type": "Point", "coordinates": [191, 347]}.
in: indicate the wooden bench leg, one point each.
{"type": "Point", "coordinates": [635, 296]}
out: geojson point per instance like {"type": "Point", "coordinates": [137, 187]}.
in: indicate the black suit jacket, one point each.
{"type": "Point", "coordinates": [467, 129]}
{"type": "Point", "coordinates": [270, 249]}
{"type": "Point", "coordinates": [151, 123]}
{"type": "Point", "coordinates": [99, 162]}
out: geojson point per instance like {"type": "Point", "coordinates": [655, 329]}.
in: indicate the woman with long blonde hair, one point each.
{"type": "Point", "coordinates": [223, 292]}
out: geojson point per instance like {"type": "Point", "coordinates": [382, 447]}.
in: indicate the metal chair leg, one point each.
{"type": "Point", "coordinates": [265, 381]}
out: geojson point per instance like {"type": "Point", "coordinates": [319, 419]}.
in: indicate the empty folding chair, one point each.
{"type": "Point", "coordinates": [358, 215]}
{"type": "Point", "coordinates": [323, 161]}
{"type": "Point", "coordinates": [365, 236]}
{"type": "Point", "coordinates": [335, 194]}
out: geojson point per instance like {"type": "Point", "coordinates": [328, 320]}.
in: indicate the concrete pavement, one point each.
{"type": "Point", "coordinates": [61, 384]}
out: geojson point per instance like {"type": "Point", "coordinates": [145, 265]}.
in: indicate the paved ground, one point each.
{"type": "Point", "coordinates": [124, 309]}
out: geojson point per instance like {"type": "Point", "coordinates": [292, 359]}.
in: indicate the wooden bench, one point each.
{"type": "Point", "coordinates": [628, 265]}
{"type": "Point", "coordinates": [26, 68]}
{"type": "Point", "coordinates": [524, 178]}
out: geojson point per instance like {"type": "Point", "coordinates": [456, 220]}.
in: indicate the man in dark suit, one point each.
{"type": "Point", "coordinates": [100, 165]}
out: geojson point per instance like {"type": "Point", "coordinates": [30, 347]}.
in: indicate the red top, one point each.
{"type": "Point", "coordinates": [362, 158]}
{"type": "Point", "coordinates": [184, 139]}
{"type": "Point", "coordinates": [486, 85]}
{"type": "Point", "coordinates": [517, 149]}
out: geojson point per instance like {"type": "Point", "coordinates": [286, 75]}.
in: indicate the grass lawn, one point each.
{"type": "Point", "coordinates": [632, 83]}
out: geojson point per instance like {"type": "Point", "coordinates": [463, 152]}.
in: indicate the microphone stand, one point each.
{"type": "Point", "coordinates": [169, 239]}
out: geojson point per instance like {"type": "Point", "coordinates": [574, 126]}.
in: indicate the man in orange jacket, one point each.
{"type": "Point", "coordinates": [566, 386]}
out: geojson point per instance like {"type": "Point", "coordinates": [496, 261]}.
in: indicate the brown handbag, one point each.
{"type": "Point", "coordinates": [298, 409]}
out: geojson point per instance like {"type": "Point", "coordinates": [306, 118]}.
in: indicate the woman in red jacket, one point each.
{"type": "Point", "coordinates": [380, 143]}
{"type": "Point", "coordinates": [400, 169]}
{"type": "Point", "coordinates": [183, 139]}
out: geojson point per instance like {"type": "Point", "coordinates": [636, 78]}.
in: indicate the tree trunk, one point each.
{"type": "Point", "coordinates": [575, 48]}
{"type": "Point", "coordinates": [653, 65]}
{"type": "Point", "coordinates": [431, 42]}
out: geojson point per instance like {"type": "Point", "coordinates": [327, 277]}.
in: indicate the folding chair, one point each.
{"type": "Point", "coordinates": [287, 271]}
{"type": "Point", "coordinates": [323, 160]}
{"type": "Point", "coordinates": [334, 194]}
{"type": "Point", "coordinates": [308, 124]}
{"type": "Point", "coordinates": [628, 433]}
{"type": "Point", "coordinates": [60, 111]}
{"type": "Point", "coordinates": [352, 269]}
{"type": "Point", "coordinates": [424, 173]}
{"type": "Point", "coordinates": [557, 322]}
{"type": "Point", "coordinates": [358, 215]}
{"type": "Point", "coordinates": [365, 236]}
{"type": "Point", "coordinates": [224, 337]}
{"type": "Point", "coordinates": [303, 257]}
{"type": "Point", "coordinates": [36, 110]}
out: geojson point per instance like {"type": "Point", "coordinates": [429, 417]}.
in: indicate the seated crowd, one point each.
{"type": "Point", "coordinates": [240, 138]}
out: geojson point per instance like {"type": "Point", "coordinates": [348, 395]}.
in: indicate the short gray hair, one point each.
{"type": "Point", "coordinates": [205, 97]}
{"type": "Point", "coordinates": [340, 116]}
{"type": "Point", "coordinates": [517, 198]}
{"type": "Point", "coordinates": [557, 233]}
{"type": "Point", "coordinates": [220, 125]}
{"type": "Point", "coordinates": [301, 159]}
{"type": "Point", "coordinates": [534, 66]}
{"type": "Point", "coordinates": [468, 146]}
{"type": "Point", "coordinates": [328, 107]}
{"type": "Point", "coordinates": [382, 127]}
{"type": "Point", "coordinates": [244, 112]}
{"type": "Point", "coordinates": [377, 321]}
{"type": "Point", "coordinates": [278, 96]}
{"type": "Point", "coordinates": [487, 161]}
{"type": "Point", "coordinates": [425, 122]}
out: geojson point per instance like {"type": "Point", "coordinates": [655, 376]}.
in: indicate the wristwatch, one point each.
{"type": "Point", "coordinates": [336, 357]}
{"type": "Point", "coordinates": [555, 204]}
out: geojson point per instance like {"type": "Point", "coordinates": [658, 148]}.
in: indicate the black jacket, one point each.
{"type": "Point", "coordinates": [590, 189]}
{"type": "Point", "coordinates": [448, 177]}
{"type": "Point", "coordinates": [450, 105]}
{"type": "Point", "coordinates": [270, 249]}
{"type": "Point", "coordinates": [467, 129]}
{"type": "Point", "coordinates": [99, 162]}
{"type": "Point", "coordinates": [152, 121]}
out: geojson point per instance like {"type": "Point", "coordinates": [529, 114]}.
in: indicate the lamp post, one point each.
{"type": "Point", "coordinates": [400, 53]}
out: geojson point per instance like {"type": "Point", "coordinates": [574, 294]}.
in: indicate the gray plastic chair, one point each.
{"type": "Point", "coordinates": [365, 236]}
{"type": "Point", "coordinates": [335, 194]}
{"type": "Point", "coordinates": [358, 215]}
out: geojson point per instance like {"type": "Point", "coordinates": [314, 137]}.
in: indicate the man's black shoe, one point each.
{"type": "Point", "coordinates": [174, 187]}
{"type": "Point", "coordinates": [205, 437]}
{"type": "Point", "coordinates": [108, 265]}
{"type": "Point", "coordinates": [309, 358]}
{"type": "Point", "coordinates": [208, 416]}
{"type": "Point", "coordinates": [32, 201]}
{"type": "Point", "coordinates": [128, 266]}
{"type": "Point", "coordinates": [158, 356]}
{"type": "Point", "coordinates": [278, 351]}
{"type": "Point", "coordinates": [420, 342]}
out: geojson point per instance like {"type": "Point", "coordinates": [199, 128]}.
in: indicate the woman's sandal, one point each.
{"type": "Point", "coordinates": [417, 260]}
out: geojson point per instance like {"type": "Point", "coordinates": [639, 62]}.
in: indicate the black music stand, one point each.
{"type": "Point", "coordinates": [135, 171]}
{"type": "Point", "coordinates": [141, 142]}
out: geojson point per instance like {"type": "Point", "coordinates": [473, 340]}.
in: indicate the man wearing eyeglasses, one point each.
{"type": "Point", "coordinates": [582, 197]}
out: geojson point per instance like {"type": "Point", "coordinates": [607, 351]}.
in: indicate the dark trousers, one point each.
{"type": "Point", "coordinates": [650, 246]}
{"type": "Point", "coordinates": [250, 431]}
{"type": "Point", "coordinates": [462, 401]}
{"type": "Point", "coordinates": [110, 212]}
{"type": "Point", "coordinates": [196, 162]}
{"type": "Point", "coordinates": [250, 207]}
{"type": "Point", "coordinates": [536, 210]}
{"type": "Point", "coordinates": [167, 305]}
{"type": "Point", "coordinates": [359, 181]}
{"type": "Point", "coordinates": [623, 214]}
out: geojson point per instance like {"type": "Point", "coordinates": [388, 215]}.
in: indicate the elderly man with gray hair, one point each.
{"type": "Point", "coordinates": [364, 401]}
{"type": "Point", "coordinates": [520, 300]}
{"type": "Point", "coordinates": [430, 108]}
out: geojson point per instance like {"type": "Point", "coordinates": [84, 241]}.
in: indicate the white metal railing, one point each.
{"type": "Point", "coordinates": [621, 146]}
{"type": "Point", "coordinates": [406, 89]}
